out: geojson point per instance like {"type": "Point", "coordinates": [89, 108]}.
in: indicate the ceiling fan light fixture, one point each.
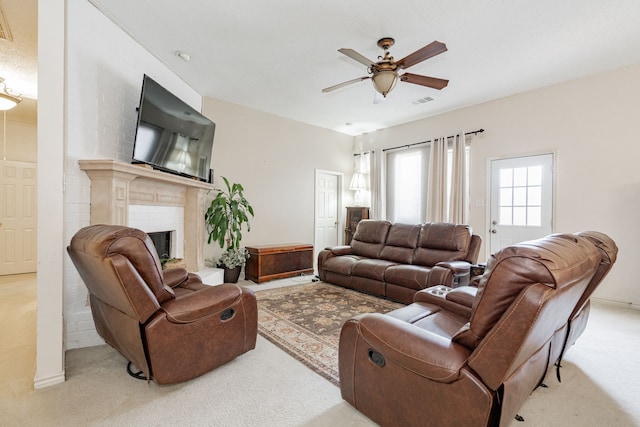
{"type": "Point", "coordinates": [7, 100]}
{"type": "Point", "coordinates": [384, 81]}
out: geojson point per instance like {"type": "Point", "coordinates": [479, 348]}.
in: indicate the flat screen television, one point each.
{"type": "Point", "coordinates": [172, 136]}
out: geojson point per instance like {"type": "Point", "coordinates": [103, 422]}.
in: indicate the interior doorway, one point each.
{"type": "Point", "coordinates": [327, 210]}
{"type": "Point", "coordinates": [18, 237]}
{"type": "Point", "coordinates": [521, 200]}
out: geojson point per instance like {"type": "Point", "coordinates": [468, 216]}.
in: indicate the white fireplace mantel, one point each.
{"type": "Point", "coordinates": [117, 185]}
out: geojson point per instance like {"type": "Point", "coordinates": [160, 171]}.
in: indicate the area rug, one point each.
{"type": "Point", "coordinates": [305, 321]}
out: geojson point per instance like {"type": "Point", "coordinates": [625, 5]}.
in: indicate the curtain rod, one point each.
{"type": "Point", "coordinates": [365, 152]}
{"type": "Point", "coordinates": [426, 142]}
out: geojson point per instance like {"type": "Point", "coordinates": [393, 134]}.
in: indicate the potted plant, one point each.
{"type": "Point", "coordinates": [226, 215]}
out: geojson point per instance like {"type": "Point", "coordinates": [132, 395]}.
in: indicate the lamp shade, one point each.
{"type": "Point", "coordinates": [7, 100]}
{"type": "Point", "coordinates": [358, 182]}
{"type": "Point", "coordinates": [384, 81]}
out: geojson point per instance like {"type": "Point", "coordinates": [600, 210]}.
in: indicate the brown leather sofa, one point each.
{"type": "Point", "coordinates": [431, 364]}
{"type": "Point", "coordinates": [397, 260]}
{"type": "Point", "coordinates": [168, 324]}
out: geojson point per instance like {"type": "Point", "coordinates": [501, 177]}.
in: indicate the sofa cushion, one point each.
{"type": "Point", "coordinates": [410, 276]}
{"type": "Point", "coordinates": [369, 238]}
{"type": "Point", "coordinates": [371, 268]}
{"type": "Point", "coordinates": [440, 241]}
{"type": "Point", "coordinates": [341, 264]}
{"type": "Point", "coordinates": [401, 243]}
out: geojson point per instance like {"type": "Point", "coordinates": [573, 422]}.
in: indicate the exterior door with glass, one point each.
{"type": "Point", "coordinates": [521, 200]}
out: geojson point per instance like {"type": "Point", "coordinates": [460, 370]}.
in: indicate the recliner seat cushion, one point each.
{"type": "Point", "coordinates": [409, 276]}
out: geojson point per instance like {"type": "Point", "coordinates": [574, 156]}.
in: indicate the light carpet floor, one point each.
{"type": "Point", "coordinates": [267, 387]}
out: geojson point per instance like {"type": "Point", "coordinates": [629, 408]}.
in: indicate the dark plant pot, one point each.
{"type": "Point", "coordinates": [231, 275]}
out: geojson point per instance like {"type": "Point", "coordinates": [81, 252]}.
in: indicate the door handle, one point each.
{"type": "Point", "coordinates": [494, 231]}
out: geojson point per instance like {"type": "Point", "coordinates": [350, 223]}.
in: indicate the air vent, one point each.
{"type": "Point", "coordinates": [5, 32]}
{"type": "Point", "coordinates": [422, 100]}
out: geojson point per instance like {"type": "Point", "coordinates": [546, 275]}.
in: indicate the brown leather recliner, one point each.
{"type": "Point", "coordinates": [425, 364]}
{"type": "Point", "coordinates": [168, 324]}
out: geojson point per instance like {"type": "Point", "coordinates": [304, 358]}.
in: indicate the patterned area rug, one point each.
{"type": "Point", "coordinates": [305, 321]}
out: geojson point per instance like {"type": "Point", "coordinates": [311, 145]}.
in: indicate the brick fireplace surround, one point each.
{"type": "Point", "coordinates": [115, 186]}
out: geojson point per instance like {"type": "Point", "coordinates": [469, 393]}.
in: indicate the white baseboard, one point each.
{"type": "Point", "coordinates": [39, 383]}
{"type": "Point", "coordinates": [618, 303]}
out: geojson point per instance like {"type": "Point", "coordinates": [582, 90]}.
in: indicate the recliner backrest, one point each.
{"type": "Point", "coordinates": [120, 266]}
{"type": "Point", "coordinates": [369, 238]}
{"type": "Point", "coordinates": [526, 294]}
{"type": "Point", "coordinates": [440, 241]}
{"type": "Point", "coordinates": [609, 254]}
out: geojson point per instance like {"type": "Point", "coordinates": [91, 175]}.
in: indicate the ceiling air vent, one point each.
{"type": "Point", "coordinates": [422, 100]}
{"type": "Point", "coordinates": [5, 33]}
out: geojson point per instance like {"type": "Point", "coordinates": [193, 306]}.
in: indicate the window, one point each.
{"type": "Point", "coordinates": [407, 172]}
{"type": "Point", "coordinates": [520, 196]}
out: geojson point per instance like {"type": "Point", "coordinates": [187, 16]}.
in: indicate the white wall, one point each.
{"type": "Point", "coordinates": [591, 124]}
{"type": "Point", "coordinates": [275, 161]}
{"type": "Point", "coordinates": [274, 158]}
{"type": "Point", "coordinates": [105, 68]}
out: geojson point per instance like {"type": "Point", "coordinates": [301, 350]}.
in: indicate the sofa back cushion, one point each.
{"type": "Point", "coordinates": [369, 238]}
{"type": "Point", "coordinates": [401, 243]}
{"type": "Point", "coordinates": [441, 241]}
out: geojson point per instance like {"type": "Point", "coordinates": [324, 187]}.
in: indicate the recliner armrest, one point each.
{"type": "Point", "coordinates": [414, 348]}
{"type": "Point", "coordinates": [209, 301]}
{"type": "Point", "coordinates": [174, 276]}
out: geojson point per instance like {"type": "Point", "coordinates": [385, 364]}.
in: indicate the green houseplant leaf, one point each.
{"type": "Point", "coordinates": [228, 212]}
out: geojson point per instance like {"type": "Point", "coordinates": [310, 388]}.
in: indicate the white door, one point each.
{"type": "Point", "coordinates": [521, 199]}
{"type": "Point", "coordinates": [17, 217]}
{"type": "Point", "coordinates": [326, 216]}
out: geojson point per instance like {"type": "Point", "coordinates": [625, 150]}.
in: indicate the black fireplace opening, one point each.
{"type": "Point", "coordinates": [162, 241]}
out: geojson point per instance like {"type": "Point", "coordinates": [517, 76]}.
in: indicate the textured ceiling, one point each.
{"type": "Point", "coordinates": [19, 56]}
{"type": "Point", "coordinates": [277, 56]}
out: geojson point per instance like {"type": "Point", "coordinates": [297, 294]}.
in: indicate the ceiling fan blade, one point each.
{"type": "Point", "coordinates": [431, 82]}
{"type": "Point", "coordinates": [343, 84]}
{"type": "Point", "coordinates": [432, 49]}
{"type": "Point", "coordinates": [356, 56]}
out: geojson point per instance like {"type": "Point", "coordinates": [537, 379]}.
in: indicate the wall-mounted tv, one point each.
{"type": "Point", "coordinates": [170, 135]}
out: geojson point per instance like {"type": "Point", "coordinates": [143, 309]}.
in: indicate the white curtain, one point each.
{"type": "Point", "coordinates": [447, 196]}
{"type": "Point", "coordinates": [458, 211]}
{"type": "Point", "coordinates": [437, 181]}
{"type": "Point", "coordinates": [373, 171]}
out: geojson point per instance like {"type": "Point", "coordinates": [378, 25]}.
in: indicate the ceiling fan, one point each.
{"type": "Point", "coordinates": [384, 73]}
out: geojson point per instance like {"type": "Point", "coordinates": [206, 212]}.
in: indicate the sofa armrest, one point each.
{"type": "Point", "coordinates": [328, 253]}
{"type": "Point", "coordinates": [209, 301]}
{"type": "Point", "coordinates": [420, 351]}
{"type": "Point", "coordinates": [463, 295]}
{"type": "Point", "coordinates": [340, 250]}
{"type": "Point", "coordinates": [450, 273]}
{"type": "Point", "coordinates": [461, 272]}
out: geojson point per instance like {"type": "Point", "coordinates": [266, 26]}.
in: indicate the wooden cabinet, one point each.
{"type": "Point", "coordinates": [354, 216]}
{"type": "Point", "coordinates": [268, 262]}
